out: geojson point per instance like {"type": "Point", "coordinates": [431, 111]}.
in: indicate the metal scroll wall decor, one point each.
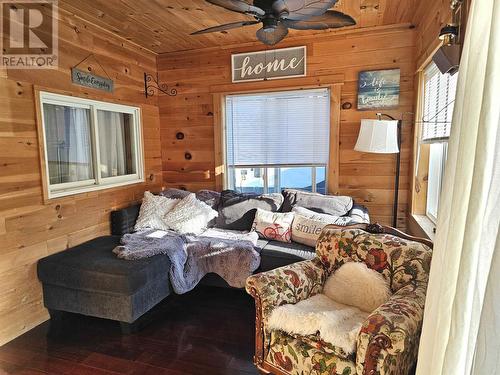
{"type": "Point", "coordinates": [152, 85]}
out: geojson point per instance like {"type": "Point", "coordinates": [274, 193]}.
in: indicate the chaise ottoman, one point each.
{"type": "Point", "coordinates": [89, 279]}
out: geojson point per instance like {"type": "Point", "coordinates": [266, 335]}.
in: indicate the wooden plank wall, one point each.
{"type": "Point", "coordinates": [369, 178]}
{"type": "Point", "coordinates": [430, 16]}
{"type": "Point", "coordinates": [30, 229]}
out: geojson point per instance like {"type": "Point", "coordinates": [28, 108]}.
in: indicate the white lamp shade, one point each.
{"type": "Point", "coordinates": [378, 136]}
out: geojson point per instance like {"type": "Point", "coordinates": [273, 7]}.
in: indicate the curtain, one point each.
{"type": "Point", "coordinates": [68, 143]}
{"type": "Point", "coordinates": [461, 332]}
{"type": "Point", "coordinates": [114, 143]}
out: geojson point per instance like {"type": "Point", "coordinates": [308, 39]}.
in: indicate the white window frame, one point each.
{"type": "Point", "coordinates": [441, 165]}
{"type": "Point", "coordinates": [98, 183]}
{"type": "Point", "coordinates": [265, 167]}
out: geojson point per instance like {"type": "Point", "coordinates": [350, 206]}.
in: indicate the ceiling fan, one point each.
{"type": "Point", "coordinates": [277, 16]}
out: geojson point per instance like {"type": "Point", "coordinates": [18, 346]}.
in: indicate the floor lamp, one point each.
{"type": "Point", "coordinates": [383, 137]}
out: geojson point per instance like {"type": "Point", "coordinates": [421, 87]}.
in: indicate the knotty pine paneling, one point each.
{"type": "Point", "coordinates": [164, 26]}
{"type": "Point", "coordinates": [369, 178]}
{"type": "Point", "coordinates": [29, 228]}
{"type": "Point", "coordinates": [430, 17]}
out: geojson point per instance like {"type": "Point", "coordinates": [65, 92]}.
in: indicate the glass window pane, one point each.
{"type": "Point", "coordinates": [116, 144]}
{"type": "Point", "coordinates": [273, 180]}
{"type": "Point", "coordinates": [68, 143]}
{"type": "Point", "coordinates": [296, 178]}
{"type": "Point", "coordinates": [249, 180]}
{"type": "Point", "coordinates": [321, 180]}
{"type": "Point", "coordinates": [437, 157]}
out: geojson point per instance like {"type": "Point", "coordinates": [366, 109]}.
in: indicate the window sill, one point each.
{"type": "Point", "coordinates": [59, 195]}
{"type": "Point", "coordinates": [425, 225]}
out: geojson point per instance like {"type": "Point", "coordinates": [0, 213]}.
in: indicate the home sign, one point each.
{"type": "Point", "coordinates": [271, 64]}
{"type": "Point", "coordinates": [87, 79]}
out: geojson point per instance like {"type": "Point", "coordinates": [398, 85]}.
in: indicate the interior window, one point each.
{"type": "Point", "coordinates": [89, 145]}
{"type": "Point", "coordinates": [68, 145]}
{"type": "Point", "coordinates": [438, 104]}
{"type": "Point", "coordinates": [116, 144]}
{"type": "Point", "coordinates": [277, 140]}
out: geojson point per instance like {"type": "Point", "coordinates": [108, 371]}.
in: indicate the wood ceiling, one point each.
{"type": "Point", "coordinates": [164, 25]}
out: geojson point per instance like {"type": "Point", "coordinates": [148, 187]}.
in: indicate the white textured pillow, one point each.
{"type": "Point", "coordinates": [153, 208]}
{"type": "Point", "coordinates": [273, 225]}
{"type": "Point", "coordinates": [190, 215]}
{"type": "Point", "coordinates": [354, 284]}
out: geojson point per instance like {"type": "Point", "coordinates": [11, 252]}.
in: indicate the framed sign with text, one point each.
{"type": "Point", "coordinates": [271, 64]}
{"type": "Point", "coordinates": [378, 89]}
{"type": "Point", "coordinates": [82, 78]}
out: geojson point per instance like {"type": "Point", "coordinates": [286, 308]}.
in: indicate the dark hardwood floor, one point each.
{"type": "Point", "coordinates": [207, 331]}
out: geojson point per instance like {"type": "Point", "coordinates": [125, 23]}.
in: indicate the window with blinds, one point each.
{"type": "Point", "coordinates": [278, 140]}
{"type": "Point", "coordinates": [439, 99]}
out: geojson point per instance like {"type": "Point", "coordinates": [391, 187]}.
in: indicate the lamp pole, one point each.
{"type": "Point", "coordinates": [398, 169]}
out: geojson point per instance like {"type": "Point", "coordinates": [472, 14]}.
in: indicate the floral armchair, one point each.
{"type": "Point", "coordinates": [388, 340]}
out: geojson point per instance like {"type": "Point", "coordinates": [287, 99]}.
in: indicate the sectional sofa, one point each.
{"type": "Point", "coordinates": [89, 279]}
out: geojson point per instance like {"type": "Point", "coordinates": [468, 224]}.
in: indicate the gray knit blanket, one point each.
{"type": "Point", "coordinates": [192, 257]}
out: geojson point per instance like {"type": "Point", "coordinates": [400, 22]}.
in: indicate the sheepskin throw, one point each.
{"type": "Point", "coordinates": [355, 284]}
{"type": "Point", "coordinates": [336, 323]}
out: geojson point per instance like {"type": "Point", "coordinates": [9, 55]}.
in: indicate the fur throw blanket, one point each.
{"type": "Point", "coordinates": [336, 323]}
{"type": "Point", "coordinates": [192, 257]}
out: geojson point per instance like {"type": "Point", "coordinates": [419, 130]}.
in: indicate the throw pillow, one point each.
{"type": "Point", "coordinates": [331, 219]}
{"type": "Point", "coordinates": [327, 204]}
{"type": "Point", "coordinates": [355, 284]}
{"type": "Point", "coordinates": [237, 210]}
{"type": "Point", "coordinates": [273, 225]}
{"type": "Point", "coordinates": [206, 196]}
{"type": "Point", "coordinates": [212, 198]}
{"type": "Point", "coordinates": [190, 215]}
{"type": "Point", "coordinates": [153, 208]}
{"type": "Point", "coordinates": [307, 230]}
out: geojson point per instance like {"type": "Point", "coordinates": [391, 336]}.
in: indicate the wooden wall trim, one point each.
{"type": "Point", "coordinates": [297, 40]}
{"type": "Point", "coordinates": [219, 141]}
{"type": "Point", "coordinates": [334, 157]}
{"type": "Point", "coordinates": [302, 83]}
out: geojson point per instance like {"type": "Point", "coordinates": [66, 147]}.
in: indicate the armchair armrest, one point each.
{"type": "Point", "coordinates": [388, 340]}
{"type": "Point", "coordinates": [289, 284]}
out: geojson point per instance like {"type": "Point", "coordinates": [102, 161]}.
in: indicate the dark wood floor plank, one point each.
{"type": "Point", "coordinates": [209, 331]}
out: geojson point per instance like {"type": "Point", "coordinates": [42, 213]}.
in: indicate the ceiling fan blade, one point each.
{"type": "Point", "coordinates": [299, 10]}
{"type": "Point", "coordinates": [330, 20]}
{"type": "Point", "coordinates": [239, 6]}
{"type": "Point", "coordinates": [227, 26]}
{"type": "Point", "coordinates": [280, 8]}
{"type": "Point", "coordinates": [272, 36]}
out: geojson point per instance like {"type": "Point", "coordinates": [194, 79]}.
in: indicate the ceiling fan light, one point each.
{"type": "Point", "coordinates": [273, 36]}
{"type": "Point", "coordinates": [270, 24]}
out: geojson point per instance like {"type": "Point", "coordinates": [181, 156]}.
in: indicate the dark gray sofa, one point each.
{"type": "Point", "coordinates": [89, 279]}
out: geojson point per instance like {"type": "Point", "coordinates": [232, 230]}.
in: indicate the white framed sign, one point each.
{"type": "Point", "coordinates": [267, 65]}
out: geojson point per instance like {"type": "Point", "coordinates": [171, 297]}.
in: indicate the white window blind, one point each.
{"type": "Point", "coordinates": [283, 128]}
{"type": "Point", "coordinates": [439, 99]}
